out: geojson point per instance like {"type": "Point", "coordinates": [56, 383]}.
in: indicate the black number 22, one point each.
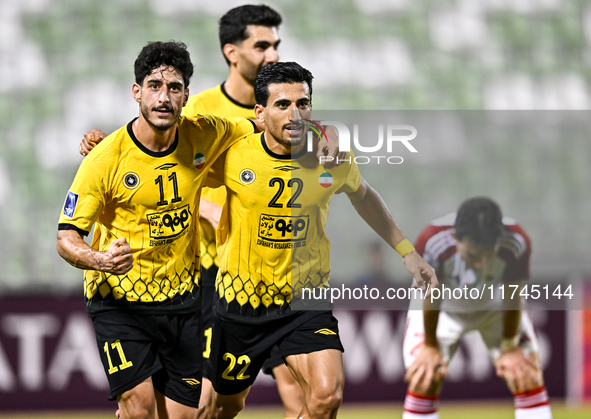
{"type": "Point", "coordinates": [298, 183]}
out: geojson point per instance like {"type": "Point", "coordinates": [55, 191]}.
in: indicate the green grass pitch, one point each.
{"type": "Point", "coordinates": [448, 410]}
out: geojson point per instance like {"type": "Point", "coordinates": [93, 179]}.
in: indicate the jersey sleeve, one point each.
{"type": "Point", "coordinates": [432, 246]}
{"type": "Point", "coordinates": [421, 241]}
{"type": "Point", "coordinates": [233, 129]}
{"type": "Point", "coordinates": [215, 176]}
{"type": "Point", "coordinates": [353, 179]}
{"type": "Point", "coordinates": [517, 245]}
{"type": "Point", "coordinates": [85, 199]}
{"type": "Point", "coordinates": [230, 131]}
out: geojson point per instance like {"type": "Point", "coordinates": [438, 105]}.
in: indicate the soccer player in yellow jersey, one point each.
{"type": "Point", "coordinates": [140, 188]}
{"type": "Point", "coordinates": [249, 40]}
{"type": "Point", "coordinates": [271, 236]}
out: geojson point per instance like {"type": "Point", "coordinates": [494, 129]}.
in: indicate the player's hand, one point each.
{"type": "Point", "coordinates": [427, 371]}
{"type": "Point", "coordinates": [423, 273]}
{"type": "Point", "coordinates": [519, 371]}
{"type": "Point", "coordinates": [211, 212]}
{"type": "Point", "coordinates": [90, 140]}
{"type": "Point", "coordinates": [328, 148]}
{"type": "Point", "coordinates": [118, 259]}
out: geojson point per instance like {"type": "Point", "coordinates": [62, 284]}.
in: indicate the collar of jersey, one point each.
{"type": "Point", "coordinates": [280, 156]}
{"type": "Point", "coordinates": [234, 101]}
{"type": "Point", "coordinates": [149, 152]}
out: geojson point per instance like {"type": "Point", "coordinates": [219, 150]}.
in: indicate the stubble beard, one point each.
{"type": "Point", "coordinates": [164, 126]}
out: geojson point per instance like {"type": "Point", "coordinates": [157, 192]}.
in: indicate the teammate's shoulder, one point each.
{"type": "Point", "coordinates": [249, 144]}
{"type": "Point", "coordinates": [199, 121]}
{"type": "Point", "coordinates": [212, 92]}
{"type": "Point", "coordinates": [198, 104]}
{"type": "Point", "coordinates": [514, 238]}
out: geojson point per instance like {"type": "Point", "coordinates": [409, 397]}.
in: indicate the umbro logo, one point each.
{"type": "Point", "coordinates": [325, 332]}
{"type": "Point", "coordinates": [166, 166]}
{"type": "Point", "coordinates": [286, 168]}
{"type": "Point", "coordinates": [191, 381]}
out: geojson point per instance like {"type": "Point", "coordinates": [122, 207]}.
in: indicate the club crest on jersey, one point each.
{"type": "Point", "coordinates": [325, 180]}
{"type": "Point", "coordinates": [199, 161]}
{"type": "Point", "coordinates": [70, 204]}
{"type": "Point", "coordinates": [131, 180]}
{"type": "Point", "coordinates": [247, 176]}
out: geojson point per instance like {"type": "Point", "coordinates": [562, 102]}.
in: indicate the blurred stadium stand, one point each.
{"type": "Point", "coordinates": [66, 67]}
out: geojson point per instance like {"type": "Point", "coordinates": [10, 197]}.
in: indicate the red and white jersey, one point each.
{"type": "Point", "coordinates": [438, 247]}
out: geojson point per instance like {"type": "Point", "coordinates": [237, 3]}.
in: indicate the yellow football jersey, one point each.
{"type": "Point", "coordinates": [214, 101]}
{"type": "Point", "coordinates": [151, 199]}
{"type": "Point", "coordinates": [272, 229]}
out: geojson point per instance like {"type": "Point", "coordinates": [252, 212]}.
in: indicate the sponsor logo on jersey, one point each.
{"type": "Point", "coordinates": [325, 180]}
{"type": "Point", "coordinates": [247, 176]}
{"type": "Point", "coordinates": [325, 332]}
{"type": "Point", "coordinates": [131, 180]}
{"type": "Point", "coordinates": [191, 381]}
{"type": "Point", "coordinates": [282, 231]}
{"type": "Point", "coordinates": [199, 161]}
{"type": "Point", "coordinates": [286, 168]}
{"type": "Point", "coordinates": [70, 204]}
{"type": "Point", "coordinates": [168, 225]}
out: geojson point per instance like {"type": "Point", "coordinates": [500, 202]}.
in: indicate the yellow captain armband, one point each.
{"type": "Point", "coordinates": [404, 247]}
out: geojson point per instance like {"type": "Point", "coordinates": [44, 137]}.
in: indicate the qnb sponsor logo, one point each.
{"type": "Point", "coordinates": [388, 135]}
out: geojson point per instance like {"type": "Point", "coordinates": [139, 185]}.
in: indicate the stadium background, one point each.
{"type": "Point", "coordinates": [66, 67]}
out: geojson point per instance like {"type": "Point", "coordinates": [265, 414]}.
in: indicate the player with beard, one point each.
{"type": "Point", "coordinates": [249, 40]}
{"type": "Point", "coordinates": [140, 189]}
{"type": "Point", "coordinates": [271, 242]}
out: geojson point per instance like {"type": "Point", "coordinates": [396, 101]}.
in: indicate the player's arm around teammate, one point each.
{"type": "Point", "coordinates": [146, 333]}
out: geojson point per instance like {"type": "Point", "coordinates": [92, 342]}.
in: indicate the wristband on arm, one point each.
{"type": "Point", "coordinates": [404, 247]}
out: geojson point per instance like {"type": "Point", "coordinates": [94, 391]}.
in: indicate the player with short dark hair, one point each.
{"type": "Point", "coordinates": [234, 25]}
{"type": "Point", "coordinates": [140, 189]}
{"type": "Point", "coordinates": [249, 40]}
{"type": "Point", "coordinates": [472, 248]}
{"type": "Point", "coordinates": [271, 239]}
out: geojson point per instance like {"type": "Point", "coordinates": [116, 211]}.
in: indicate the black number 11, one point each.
{"type": "Point", "coordinates": [175, 187]}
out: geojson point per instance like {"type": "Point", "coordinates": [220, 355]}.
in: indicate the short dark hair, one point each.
{"type": "Point", "coordinates": [480, 220]}
{"type": "Point", "coordinates": [286, 72]}
{"type": "Point", "coordinates": [233, 24]}
{"type": "Point", "coordinates": [156, 54]}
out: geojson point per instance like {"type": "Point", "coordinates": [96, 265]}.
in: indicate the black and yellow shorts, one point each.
{"type": "Point", "coordinates": [134, 347]}
{"type": "Point", "coordinates": [239, 350]}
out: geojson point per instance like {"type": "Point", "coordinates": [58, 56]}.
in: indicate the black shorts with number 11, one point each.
{"type": "Point", "coordinates": [165, 347]}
